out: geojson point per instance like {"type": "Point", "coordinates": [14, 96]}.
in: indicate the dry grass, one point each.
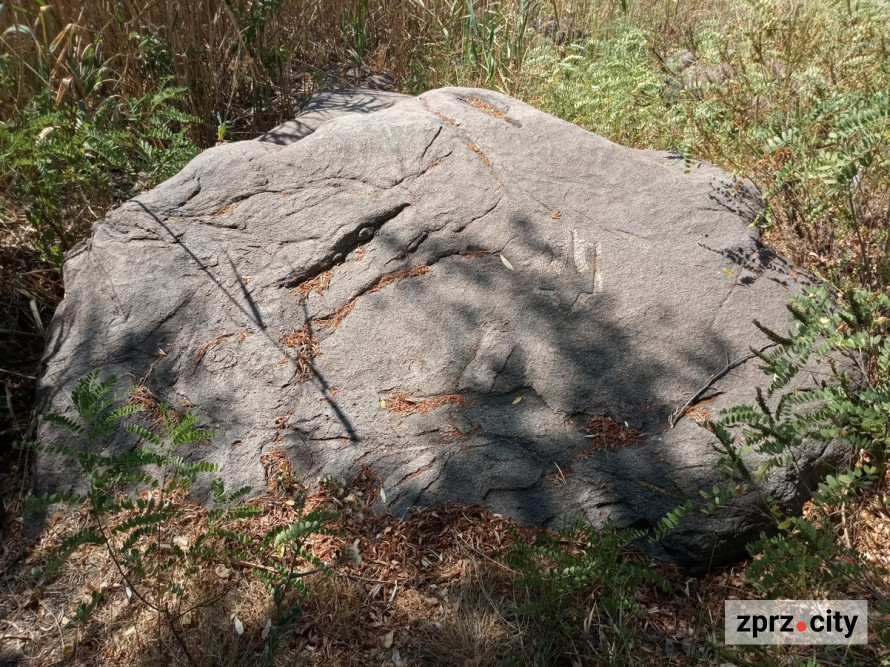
{"type": "Point", "coordinates": [334, 607]}
{"type": "Point", "coordinates": [306, 347]}
{"type": "Point", "coordinates": [141, 395]}
{"type": "Point", "coordinates": [402, 404]}
{"type": "Point", "coordinates": [254, 65]}
{"type": "Point", "coordinates": [870, 534]}
{"type": "Point", "coordinates": [472, 631]}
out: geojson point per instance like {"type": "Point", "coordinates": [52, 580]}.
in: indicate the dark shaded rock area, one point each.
{"type": "Point", "coordinates": [474, 299]}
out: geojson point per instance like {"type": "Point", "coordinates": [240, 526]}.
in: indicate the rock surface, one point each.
{"type": "Point", "coordinates": [476, 300]}
{"type": "Point", "coordinates": [325, 106]}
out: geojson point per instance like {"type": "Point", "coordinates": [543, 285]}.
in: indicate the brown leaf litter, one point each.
{"type": "Point", "coordinates": [337, 318]}
{"type": "Point", "coordinates": [432, 588]}
{"type": "Point", "coordinates": [227, 209]}
{"type": "Point", "coordinates": [698, 413]}
{"type": "Point", "coordinates": [403, 404]}
{"type": "Point", "coordinates": [607, 434]}
{"type": "Point", "coordinates": [306, 346]}
{"type": "Point", "coordinates": [318, 284]}
{"type": "Point", "coordinates": [391, 278]}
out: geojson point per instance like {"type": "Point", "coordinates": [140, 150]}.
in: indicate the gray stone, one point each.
{"type": "Point", "coordinates": [509, 297]}
{"type": "Point", "coordinates": [325, 106]}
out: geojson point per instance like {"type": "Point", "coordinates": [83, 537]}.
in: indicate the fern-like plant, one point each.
{"type": "Point", "coordinates": [287, 546]}
{"type": "Point", "coordinates": [849, 334]}
{"type": "Point", "coordinates": [583, 568]}
{"type": "Point", "coordinates": [135, 504]}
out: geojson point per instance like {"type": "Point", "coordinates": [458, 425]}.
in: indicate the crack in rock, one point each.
{"type": "Point", "coordinates": [347, 243]}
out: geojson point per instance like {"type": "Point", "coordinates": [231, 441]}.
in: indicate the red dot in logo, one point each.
{"type": "Point", "coordinates": [801, 626]}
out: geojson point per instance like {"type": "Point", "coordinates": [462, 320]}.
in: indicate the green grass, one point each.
{"type": "Point", "coordinates": [793, 96]}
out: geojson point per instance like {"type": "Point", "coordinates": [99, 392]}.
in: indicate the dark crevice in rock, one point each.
{"type": "Point", "coordinates": [357, 237]}
{"type": "Point", "coordinates": [422, 238]}
{"type": "Point", "coordinates": [473, 352]}
{"type": "Point", "coordinates": [514, 489]}
{"type": "Point", "coordinates": [419, 471]}
{"type": "Point", "coordinates": [468, 253]}
{"type": "Point", "coordinates": [723, 302]}
{"type": "Point", "coordinates": [430, 144]}
{"type": "Point", "coordinates": [480, 216]}
{"type": "Point", "coordinates": [195, 192]}
{"type": "Point", "coordinates": [334, 319]}
{"type": "Point", "coordinates": [414, 243]}
{"type": "Point", "coordinates": [447, 456]}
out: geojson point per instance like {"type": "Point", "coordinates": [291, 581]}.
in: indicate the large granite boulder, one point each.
{"type": "Point", "coordinates": [474, 299]}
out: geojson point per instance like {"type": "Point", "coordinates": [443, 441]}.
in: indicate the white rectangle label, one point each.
{"type": "Point", "coordinates": [796, 622]}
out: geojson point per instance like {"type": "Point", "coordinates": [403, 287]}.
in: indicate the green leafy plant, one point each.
{"type": "Point", "coordinates": [286, 546]}
{"type": "Point", "coordinates": [58, 163]}
{"type": "Point", "coordinates": [849, 336]}
{"type": "Point", "coordinates": [135, 501]}
{"type": "Point", "coordinates": [802, 561]}
{"type": "Point", "coordinates": [583, 568]}
{"type": "Point", "coordinates": [835, 168]}
{"type": "Point", "coordinates": [845, 338]}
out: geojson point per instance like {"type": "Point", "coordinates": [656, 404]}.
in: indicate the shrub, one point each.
{"type": "Point", "coordinates": [62, 165]}
{"type": "Point", "coordinates": [814, 556]}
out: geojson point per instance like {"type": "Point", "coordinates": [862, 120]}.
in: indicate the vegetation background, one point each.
{"type": "Point", "coordinates": [103, 99]}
